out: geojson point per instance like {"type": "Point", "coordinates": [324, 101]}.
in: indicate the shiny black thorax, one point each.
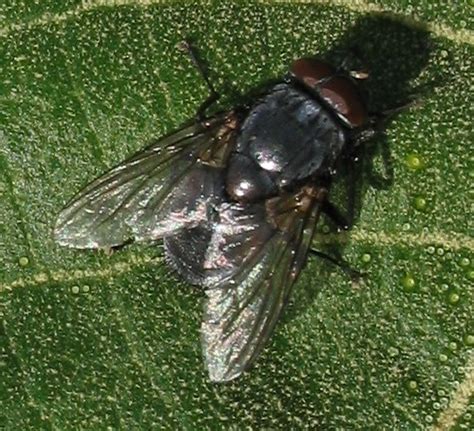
{"type": "Point", "coordinates": [287, 136]}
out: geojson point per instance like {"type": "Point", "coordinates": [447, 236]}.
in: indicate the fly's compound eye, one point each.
{"type": "Point", "coordinates": [342, 95]}
{"type": "Point", "coordinates": [338, 91]}
{"type": "Point", "coordinates": [311, 71]}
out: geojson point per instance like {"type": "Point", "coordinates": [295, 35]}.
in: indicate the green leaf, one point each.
{"type": "Point", "coordinates": [90, 341]}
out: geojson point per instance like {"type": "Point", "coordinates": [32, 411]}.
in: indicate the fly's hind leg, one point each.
{"type": "Point", "coordinates": [186, 46]}
{"type": "Point", "coordinates": [342, 222]}
{"type": "Point", "coordinates": [343, 265]}
{"type": "Point", "coordinates": [336, 216]}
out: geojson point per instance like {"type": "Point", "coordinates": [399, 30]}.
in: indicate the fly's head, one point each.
{"type": "Point", "coordinates": [340, 91]}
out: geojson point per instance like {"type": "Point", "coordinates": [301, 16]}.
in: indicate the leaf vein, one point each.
{"type": "Point", "coordinates": [458, 36]}
{"type": "Point", "coordinates": [453, 241]}
{"type": "Point", "coordinates": [460, 400]}
{"type": "Point", "coordinates": [439, 29]}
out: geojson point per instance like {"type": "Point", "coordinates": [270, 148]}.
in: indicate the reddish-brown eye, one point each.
{"type": "Point", "coordinates": [311, 71]}
{"type": "Point", "coordinates": [341, 94]}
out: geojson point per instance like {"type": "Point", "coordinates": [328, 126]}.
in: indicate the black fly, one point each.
{"type": "Point", "coordinates": [236, 197]}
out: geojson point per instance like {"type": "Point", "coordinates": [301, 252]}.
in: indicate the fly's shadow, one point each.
{"type": "Point", "coordinates": [394, 54]}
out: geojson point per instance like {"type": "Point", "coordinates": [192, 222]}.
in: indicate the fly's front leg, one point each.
{"type": "Point", "coordinates": [375, 130]}
{"type": "Point", "coordinates": [378, 122]}
{"type": "Point", "coordinates": [186, 46]}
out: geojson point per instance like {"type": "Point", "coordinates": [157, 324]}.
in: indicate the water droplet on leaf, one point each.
{"type": "Point", "coordinates": [408, 283]}
{"type": "Point", "coordinates": [469, 340]}
{"type": "Point", "coordinates": [419, 203]}
{"type": "Point", "coordinates": [78, 273]}
{"type": "Point", "coordinates": [443, 357]}
{"type": "Point", "coordinates": [414, 161]}
{"type": "Point", "coordinates": [412, 385]}
{"type": "Point", "coordinates": [366, 258]}
{"type": "Point", "coordinates": [453, 298]}
{"type": "Point", "coordinates": [23, 261]}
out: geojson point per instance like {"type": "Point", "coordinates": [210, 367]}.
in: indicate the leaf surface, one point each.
{"type": "Point", "coordinates": [94, 341]}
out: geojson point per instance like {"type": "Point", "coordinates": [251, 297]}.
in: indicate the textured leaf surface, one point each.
{"type": "Point", "coordinates": [93, 341]}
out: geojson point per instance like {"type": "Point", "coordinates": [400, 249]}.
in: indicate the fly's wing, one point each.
{"type": "Point", "coordinates": [186, 251]}
{"type": "Point", "coordinates": [161, 189]}
{"type": "Point", "coordinates": [262, 249]}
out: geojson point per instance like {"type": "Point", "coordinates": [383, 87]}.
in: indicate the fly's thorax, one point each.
{"type": "Point", "coordinates": [286, 137]}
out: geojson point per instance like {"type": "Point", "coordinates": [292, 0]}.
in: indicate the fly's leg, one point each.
{"type": "Point", "coordinates": [376, 129]}
{"type": "Point", "coordinates": [336, 216]}
{"type": "Point", "coordinates": [344, 219]}
{"type": "Point", "coordinates": [342, 222]}
{"type": "Point", "coordinates": [389, 113]}
{"type": "Point", "coordinates": [343, 265]}
{"type": "Point", "coordinates": [378, 122]}
{"type": "Point", "coordinates": [186, 46]}
{"type": "Point", "coordinates": [352, 180]}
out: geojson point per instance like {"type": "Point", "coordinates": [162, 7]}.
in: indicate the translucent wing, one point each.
{"type": "Point", "coordinates": [161, 189]}
{"type": "Point", "coordinates": [262, 249]}
{"type": "Point", "coordinates": [185, 252]}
